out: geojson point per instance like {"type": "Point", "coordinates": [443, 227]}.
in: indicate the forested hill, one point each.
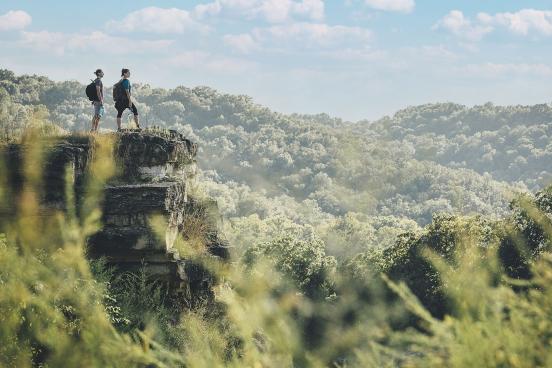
{"type": "Point", "coordinates": [364, 181]}
{"type": "Point", "coordinates": [512, 143]}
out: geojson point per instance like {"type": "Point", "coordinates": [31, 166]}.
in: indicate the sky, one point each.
{"type": "Point", "coordinates": [353, 59]}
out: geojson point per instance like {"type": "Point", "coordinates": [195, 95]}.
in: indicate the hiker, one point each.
{"type": "Point", "coordinates": [123, 98]}
{"type": "Point", "coordinates": [97, 100]}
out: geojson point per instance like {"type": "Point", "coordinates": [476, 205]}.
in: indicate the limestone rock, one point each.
{"type": "Point", "coordinates": [156, 170]}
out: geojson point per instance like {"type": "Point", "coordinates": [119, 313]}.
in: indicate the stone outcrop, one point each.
{"type": "Point", "coordinates": [156, 172]}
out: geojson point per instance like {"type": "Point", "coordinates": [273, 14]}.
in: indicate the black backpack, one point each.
{"type": "Point", "coordinates": [118, 91]}
{"type": "Point", "coordinates": [92, 92]}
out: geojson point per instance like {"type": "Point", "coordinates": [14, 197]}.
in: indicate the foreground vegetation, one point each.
{"type": "Point", "coordinates": [377, 244]}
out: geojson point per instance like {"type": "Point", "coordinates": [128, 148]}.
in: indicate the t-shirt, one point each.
{"type": "Point", "coordinates": [126, 84]}
{"type": "Point", "coordinates": [98, 83]}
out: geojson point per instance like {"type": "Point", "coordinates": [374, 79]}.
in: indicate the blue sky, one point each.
{"type": "Point", "coordinates": [355, 59]}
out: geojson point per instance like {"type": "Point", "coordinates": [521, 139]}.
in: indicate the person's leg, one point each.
{"type": "Point", "coordinates": [99, 117]}
{"type": "Point", "coordinates": [119, 115]}
{"type": "Point", "coordinates": [94, 118]}
{"type": "Point", "coordinates": [92, 125]}
{"type": "Point", "coordinates": [95, 122]}
{"type": "Point", "coordinates": [135, 112]}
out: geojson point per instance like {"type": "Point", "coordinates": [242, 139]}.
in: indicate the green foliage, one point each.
{"type": "Point", "coordinates": [407, 260]}
{"type": "Point", "coordinates": [491, 322]}
{"type": "Point", "coordinates": [511, 143]}
{"type": "Point", "coordinates": [52, 310]}
{"type": "Point", "coordinates": [15, 119]}
{"type": "Point", "coordinates": [304, 261]}
{"type": "Point", "coordinates": [493, 325]}
{"type": "Point", "coordinates": [517, 240]}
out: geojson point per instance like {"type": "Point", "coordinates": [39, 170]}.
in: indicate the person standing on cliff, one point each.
{"type": "Point", "coordinates": [98, 102]}
{"type": "Point", "coordinates": [124, 100]}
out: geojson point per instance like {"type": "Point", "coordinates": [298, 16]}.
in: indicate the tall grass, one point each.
{"type": "Point", "coordinates": [51, 308]}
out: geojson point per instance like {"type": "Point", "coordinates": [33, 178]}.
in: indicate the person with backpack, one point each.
{"type": "Point", "coordinates": [123, 98]}
{"type": "Point", "coordinates": [94, 91]}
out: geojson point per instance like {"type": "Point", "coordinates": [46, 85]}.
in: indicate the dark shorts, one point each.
{"type": "Point", "coordinates": [121, 106]}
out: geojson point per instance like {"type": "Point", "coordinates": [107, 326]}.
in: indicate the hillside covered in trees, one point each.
{"type": "Point", "coordinates": [452, 200]}
{"type": "Point", "coordinates": [316, 170]}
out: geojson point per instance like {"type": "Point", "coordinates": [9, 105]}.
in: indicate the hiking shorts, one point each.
{"type": "Point", "coordinates": [121, 106]}
{"type": "Point", "coordinates": [98, 109]}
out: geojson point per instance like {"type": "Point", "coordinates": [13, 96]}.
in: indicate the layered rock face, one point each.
{"type": "Point", "coordinates": [156, 172]}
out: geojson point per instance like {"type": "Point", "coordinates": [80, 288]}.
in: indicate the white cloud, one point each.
{"type": "Point", "coordinates": [14, 20]}
{"type": "Point", "coordinates": [313, 9]}
{"type": "Point", "coordinates": [521, 22]}
{"type": "Point", "coordinates": [273, 11]}
{"type": "Point", "coordinates": [487, 70]}
{"type": "Point", "coordinates": [354, 55]}
{"type": "Point", "coordinates": [400, 59]}
{"type": "Point", "coordinates": [157, 20]}
{"type": "Point", "coordinates": [456, 23]}
{"type": "Point", "coordinates": [209, 9]}
{"type": "Point", "coordinates": [44, 40]}
{"type": "Point", "coordinates": [205, 61]}
{"type": "Point", "coordinates": [404, 6]}
{"type": "Point", "coordinates": [60, 43]}
{"type": "Point", "coordinates": [189, 59]}
{"type": "Point", "coordinates": [436, 52]}
{"type": "Point", "coordinates": [314, 34]}
{"type": "Point", "coordinates": [292, 37]}
{"type": "Point", "coordinates": [243, 43]}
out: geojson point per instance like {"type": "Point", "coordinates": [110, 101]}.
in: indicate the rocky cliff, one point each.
{"type": "Point", "coordinates": [156, 170]}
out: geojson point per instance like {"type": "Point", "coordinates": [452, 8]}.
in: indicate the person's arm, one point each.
{"type": "Point", "coordinates": [100, 94]}
{"type": "Point", "coordinates": [126, 86]}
